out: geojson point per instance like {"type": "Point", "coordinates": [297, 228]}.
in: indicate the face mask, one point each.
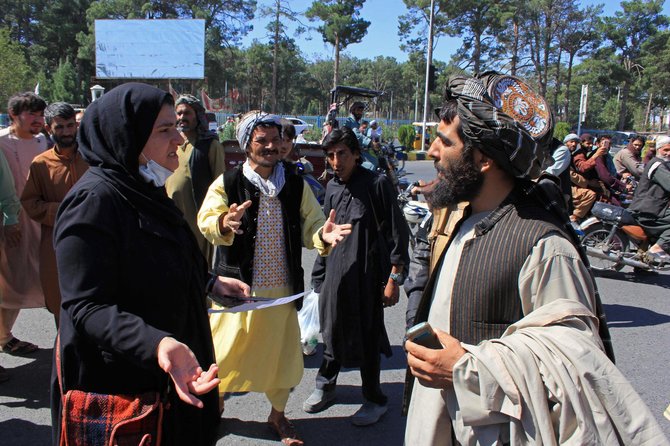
{"type": "Point", "coordinates": [154, 173]}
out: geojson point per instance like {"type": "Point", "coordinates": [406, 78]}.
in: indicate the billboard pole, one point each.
{"type": "Point", "coordinates": [429, 60]}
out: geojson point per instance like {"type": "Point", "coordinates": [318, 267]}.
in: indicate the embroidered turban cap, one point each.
{"type": "Point", "coordinates": [505, 119]}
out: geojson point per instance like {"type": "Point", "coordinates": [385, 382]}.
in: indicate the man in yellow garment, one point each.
{"type": "Point", "coordinates": [259, 216]}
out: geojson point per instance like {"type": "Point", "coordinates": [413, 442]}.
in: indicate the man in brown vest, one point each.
{"type": "Point", "coordinates": [509, 297]}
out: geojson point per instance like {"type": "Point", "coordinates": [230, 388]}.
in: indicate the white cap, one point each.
{"type": "Point", "coordinates": [662, 141]}
{"type": "Point", "coordinates": [570, 137]}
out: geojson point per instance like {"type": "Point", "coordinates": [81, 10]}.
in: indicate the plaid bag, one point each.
{"type": "Point", "coordinates": [111, 420]}
{"type": "Point", "coordinates": [89, 419]}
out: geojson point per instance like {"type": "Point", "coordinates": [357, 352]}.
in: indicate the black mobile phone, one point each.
{"type": "Point", "coordinates": [423, 334]}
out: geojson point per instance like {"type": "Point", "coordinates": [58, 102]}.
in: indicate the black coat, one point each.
{"type": "Point", "coordinates": [128, 280]}
{"type": "Point", "coordinates": [357, 269]}
{"type": "Point", "coordinates": [130, 272]}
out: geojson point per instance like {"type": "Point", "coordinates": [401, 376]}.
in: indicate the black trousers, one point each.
{"type": "Point", "coordinates": [326, 378]}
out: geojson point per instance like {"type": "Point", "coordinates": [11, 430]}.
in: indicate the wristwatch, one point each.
{"type": "Point", "coordinates": [398, 278]}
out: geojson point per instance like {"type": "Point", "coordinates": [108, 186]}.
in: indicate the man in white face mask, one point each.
{"type": "Point", "coordinates": [650, 205]}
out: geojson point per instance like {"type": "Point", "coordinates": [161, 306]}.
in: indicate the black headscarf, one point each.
{"type": "Point", "coordinates": [111, 137]}
{"type": "Point", "coordinates": [519, 141]}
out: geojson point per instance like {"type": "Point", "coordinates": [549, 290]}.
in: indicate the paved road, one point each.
{"type": "Point", "coordinates": [638, 310]}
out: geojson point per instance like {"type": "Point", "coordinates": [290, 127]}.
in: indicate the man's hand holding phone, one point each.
{"type": "Point", "coordinates": [433, 366]}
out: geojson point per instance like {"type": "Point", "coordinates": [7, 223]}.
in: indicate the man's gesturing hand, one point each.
{"type": "Point", "coordinates": [434, 368]}
{"type": "Point", "coordinates": [230, 221]}
{"type": "Point", "coordinates": [332, 233]}
{"type": "Point", "coordinates": [227, 286]}
{"type": "Point", "coordinates": [179, 361]}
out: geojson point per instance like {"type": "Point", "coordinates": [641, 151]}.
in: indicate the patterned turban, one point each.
{"type": "Point", "coordinates": [249, 122]}
{"type": "Point", "coordinates": [506, 120]}
{"type": "Point", "coordinates": [194, 103]}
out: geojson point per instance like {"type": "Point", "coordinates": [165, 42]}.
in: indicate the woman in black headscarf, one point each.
{"type": "Point", "coordinates": [132, 277]}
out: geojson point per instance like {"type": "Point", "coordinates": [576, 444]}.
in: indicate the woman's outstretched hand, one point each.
{"type": "Point", "coordinates": [189, 379]}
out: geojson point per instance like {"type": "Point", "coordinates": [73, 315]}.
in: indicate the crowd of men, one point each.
{"type": "Point", "coordinates": [589, 173]}
{"type": "Point", "coordinates": [495, 377]}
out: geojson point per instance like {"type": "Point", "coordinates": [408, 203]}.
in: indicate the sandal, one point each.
{"type": "Point", "coordinates": [16, 347]}
{"type": "Point", "coordinates": [286, 432]}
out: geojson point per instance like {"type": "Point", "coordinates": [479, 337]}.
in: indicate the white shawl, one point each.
{"type": "Point", "coordinates": [546, 381]}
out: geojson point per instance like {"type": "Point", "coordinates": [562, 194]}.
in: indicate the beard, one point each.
{"type": "Point", "coordinates": [460, 180]}
{"type": "Point", "coordinates": [65, 141]}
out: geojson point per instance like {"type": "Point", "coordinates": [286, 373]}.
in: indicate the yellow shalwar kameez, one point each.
{"type": "Point", "coordinates": [259, 351]}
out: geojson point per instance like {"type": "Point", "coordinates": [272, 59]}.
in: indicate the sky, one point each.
{"type": "Point", "coordinates": [382, 37]}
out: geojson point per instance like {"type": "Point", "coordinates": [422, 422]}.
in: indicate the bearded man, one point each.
{"type": "Point", "coordinates": [510, 298]}
{"type": "Point", "coordinates": [201, 160]}
{"type": "Point", "coordinates": [52, 175]}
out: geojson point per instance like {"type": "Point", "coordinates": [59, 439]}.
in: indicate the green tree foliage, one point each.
{"type": "Point", "coordinates": [627, 31]}
{"type": "Point", "coordinates": [406, 135]}
{"type": "Point", "coordinates": [15, 74]}
{"type": "Point", "coordinates": [341, 25]}
{"type": "Point", "coordinates": [581, 37]}
{"type": "Point", "coordinates": [281, 14]}
{"type": "Point", "coordinates": [413, 25]}
{"type": "Point", "coordinates": [561, 130]}
{"type": "Point", "coordinates": [64, 86]}
{"type": "Point", "coordinates": [478, 22]}
{"type": "Point", "coordinates": [656, 60]}
{"type": "Point", "coordinates": [557, 45]}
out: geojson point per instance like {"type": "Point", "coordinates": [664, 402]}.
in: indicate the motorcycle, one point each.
{"type": "Point", "coordinates": [388, 164]}
{"type": "Point", "coordinates": [612, 239]}
{"type": "Point", "coordinates": [416, 212]}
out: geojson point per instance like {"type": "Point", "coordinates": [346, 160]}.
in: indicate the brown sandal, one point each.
{"type": "Point", "coordinates": [286, 431]}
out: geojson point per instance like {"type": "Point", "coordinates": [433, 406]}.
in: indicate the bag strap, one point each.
{"type": "Point", "coordinates": [62, 441]}
{"type": "Point", "coordinates": [58, 367]}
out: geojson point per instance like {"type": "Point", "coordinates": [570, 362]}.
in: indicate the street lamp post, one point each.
{"type": "Point", "coordinates": [429, 60]}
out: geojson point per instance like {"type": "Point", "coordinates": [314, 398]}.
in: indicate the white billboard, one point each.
{"type": "Point", "coordinates": [150, 49]}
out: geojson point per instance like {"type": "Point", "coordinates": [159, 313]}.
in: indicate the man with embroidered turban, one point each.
{"type": "Point", "coordinates": [201, 159]}
{"type": "Point", "coordinates": [509, 297]}
{"type": "Point", "coordinates": [259, 216]}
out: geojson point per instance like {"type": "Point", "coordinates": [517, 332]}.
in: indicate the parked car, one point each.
{"type": "Point", "coordinates": [300, 125]}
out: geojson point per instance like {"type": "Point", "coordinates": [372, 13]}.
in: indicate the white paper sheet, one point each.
{"type": "Point", "coordinates": [259, 304]}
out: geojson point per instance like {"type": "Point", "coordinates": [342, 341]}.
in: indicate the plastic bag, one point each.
{"type": "Point", "coordinates": [308, 318]}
